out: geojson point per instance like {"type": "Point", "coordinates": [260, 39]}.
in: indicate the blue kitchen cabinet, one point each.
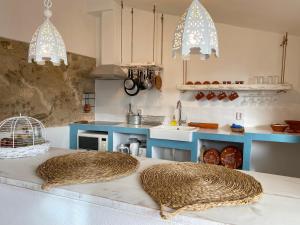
{"type": "Point", "coordinates": [111, 130]}
{"type": "Point", "coordinates": [178, 145]}
{"type": "Point", "coordinates": [266, 137]}
{"type": "Point", "coordinates": [75, 128]}
{"type": "Point", "coordinates": [245, 140]}
{"type": "Point", "coordinates": [228, 139]}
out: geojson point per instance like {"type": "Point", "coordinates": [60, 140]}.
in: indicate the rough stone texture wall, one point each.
{"type": "Point", "coordinates": [51, 94]}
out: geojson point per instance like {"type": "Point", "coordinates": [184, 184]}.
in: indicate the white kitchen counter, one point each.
{"type": "Point", "coordinates": [268, 130]}
{"type": "Point", "coordinates": [279, 205]}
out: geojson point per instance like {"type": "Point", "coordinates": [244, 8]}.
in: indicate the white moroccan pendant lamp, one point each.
{"type": "Point", "coordinates": [196, 33]}
{"type": "Point", "coordinates": [47, 44]}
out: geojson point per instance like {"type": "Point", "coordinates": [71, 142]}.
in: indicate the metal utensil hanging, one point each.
{"type": "Point", "coordinates": [133, 92]}
{"type": "Point", "coordinates": [132, 83]}
{"type": "Point", "coordinates": [129, 83]}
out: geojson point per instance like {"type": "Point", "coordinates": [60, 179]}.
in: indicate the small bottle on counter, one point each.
{"type": "Point", "coordinates": [173, 121]}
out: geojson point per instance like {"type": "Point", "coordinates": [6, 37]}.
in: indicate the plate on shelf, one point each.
{"type": "Point", "coordinates": [211, 156]}
{"type": "Point", "coordinates": [231, 157]}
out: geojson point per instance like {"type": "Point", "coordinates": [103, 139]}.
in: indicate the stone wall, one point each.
{"type": "Point", "coordinates": [51, 94]}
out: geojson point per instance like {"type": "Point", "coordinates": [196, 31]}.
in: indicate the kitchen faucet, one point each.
{"type": "Point", "coordinates": [179, 108]}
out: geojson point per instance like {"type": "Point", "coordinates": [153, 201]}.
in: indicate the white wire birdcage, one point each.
{"type": "Point", "coordinates": [22, 136]}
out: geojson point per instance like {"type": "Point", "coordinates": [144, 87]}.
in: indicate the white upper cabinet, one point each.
{"type": "Point", "coordinates": [109, 34]}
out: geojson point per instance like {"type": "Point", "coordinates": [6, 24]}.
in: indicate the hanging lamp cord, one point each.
{"type": "Point", "coordinates": [132, 35]}
{"type": "Point", "coordinates": [185, 71]}
{"type": "Point", "coordinates": [122, 8]}
{"type": "Point", "coordinates": [47, 4]}
{"type": "Point", "coordinates": [284, 52]}
{"type": "Point", "coordinates": [154, 26]}
{"type": "Point", "coordinates": [162, 39]}
{"type": "Point", "coordinates": [47, 11]}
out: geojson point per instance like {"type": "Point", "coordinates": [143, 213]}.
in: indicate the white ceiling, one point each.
{"type": "Point", "coordinates": [270, 15]}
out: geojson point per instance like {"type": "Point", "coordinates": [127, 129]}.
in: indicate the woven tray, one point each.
{"type": "Point", "coordinates": [86, 167]}
{"type": "Point", "coordinates": [192, 187]}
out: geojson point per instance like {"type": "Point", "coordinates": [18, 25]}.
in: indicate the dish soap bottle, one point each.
{"type": "Point", "coordinates": [173, 121]}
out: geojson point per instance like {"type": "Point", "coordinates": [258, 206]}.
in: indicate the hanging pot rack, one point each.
{"type": "Point", "coordinates": [162, 39]}
{"type": "Point", "coordinates": [140, 69]}
{"type": "Point", "coordinates": [154, 30]}
{"type": "Point", "coordinates": [121, 53]}
{"type": "Point", "coordinates": [284, 52]}
{"type": "Point", "coordinates": [132, 35]}
{"type": "Point", "coordinates": [132, 65]}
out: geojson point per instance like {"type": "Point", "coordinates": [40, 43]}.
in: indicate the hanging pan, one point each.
{"type": "Point", "coordinates": [129, 82]}
{"type": "Point", "coordinates": [132, 92]}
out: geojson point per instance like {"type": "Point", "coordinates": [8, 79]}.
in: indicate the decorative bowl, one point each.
{"type": "Point", "coordinates": [238, 130]}
{"type": "Point", "coordinates": [279, 127]}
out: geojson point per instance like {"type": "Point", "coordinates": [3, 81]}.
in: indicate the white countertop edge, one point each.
{"type": "Point", "coordinates": [104, 202]}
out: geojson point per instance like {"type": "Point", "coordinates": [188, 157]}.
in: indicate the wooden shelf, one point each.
{"type": "Point", "coordinates": [143, 65]}
{"type": "Point", "coordinates": [236, 87]}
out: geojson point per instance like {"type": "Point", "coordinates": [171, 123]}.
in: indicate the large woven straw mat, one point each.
{"type": "Point", "coordinates": [192, 187]}
{"type": "Point", "coordinates": [86, 167]}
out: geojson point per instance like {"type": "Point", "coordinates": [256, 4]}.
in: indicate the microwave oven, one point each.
{"type": "Point", "coordinates": [96, 141]}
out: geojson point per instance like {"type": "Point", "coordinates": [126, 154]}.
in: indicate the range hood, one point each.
{"type": "Point", "coordinates": [108, 72]}
{"type": "Point", "coordinates": [108, 69]}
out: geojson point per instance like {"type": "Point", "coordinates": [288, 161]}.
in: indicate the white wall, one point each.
{"type": "Point", "coordinates": [20, 19]}
{"type": "Point", "coordinates": [244, 53]}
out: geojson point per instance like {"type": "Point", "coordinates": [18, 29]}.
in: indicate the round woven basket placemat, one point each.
{"type": "Point", "coordinates": [190, 186]}
{"type": "Point", "coordinates": [86, 167]}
